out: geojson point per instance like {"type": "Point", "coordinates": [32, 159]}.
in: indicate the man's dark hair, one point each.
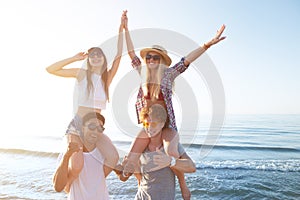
{"type": "Point", "coordinates": [93, 115]}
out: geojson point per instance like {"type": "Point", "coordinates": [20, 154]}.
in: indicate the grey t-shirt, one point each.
{"type": "Point", "coordinates": [156, 184]}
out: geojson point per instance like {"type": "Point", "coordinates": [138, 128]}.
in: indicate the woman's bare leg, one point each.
{"type": "Point", "coordinates": [109, 152]}
{"type": "Point", "coordinates": [171, 140]}
{"type": "Point", "coordinates": [185, 191]}
{"type": "Point", "coordinates": [138, 146]}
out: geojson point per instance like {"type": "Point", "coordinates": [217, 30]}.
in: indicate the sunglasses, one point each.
{"type": "Point", "coordinates": [95, 53]}
{"type": "Point", "coordinates": [93, 127]}
{"type": "Point", "coordinates": [154, 57]}
{"type": "Point", "coordinates": [152, 124]}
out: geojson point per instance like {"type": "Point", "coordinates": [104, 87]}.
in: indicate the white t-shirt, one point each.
{"type": "Point", "coordinates": [97, 97]}
{"type": "Point", "coordinates": [91, 183]}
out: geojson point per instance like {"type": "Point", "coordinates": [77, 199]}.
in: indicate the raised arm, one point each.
{"type": "Point", "coordinates": [129, 42]}
{"type": "Point", "coordinates": [58, 67]}
{"type": "Point", "coordinates": [191, 57]}
{"type": "Point", "coordinates": [112, 72]}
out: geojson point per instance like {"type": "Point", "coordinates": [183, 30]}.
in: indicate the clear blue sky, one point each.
{"type": "Point", "coordinates": [258, 62]}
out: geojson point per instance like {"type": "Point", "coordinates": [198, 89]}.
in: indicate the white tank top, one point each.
{"type": "Point", "coordinates": [97, 97]}
{"type": "Point", "coordinates": [91, 183]}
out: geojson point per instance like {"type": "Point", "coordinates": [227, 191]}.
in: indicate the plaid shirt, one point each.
{"type": "Point", "coordinates": [166, 88]}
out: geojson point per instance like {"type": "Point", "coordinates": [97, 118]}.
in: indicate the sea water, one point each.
{"type": "Point", "coordinates": [255, 157]}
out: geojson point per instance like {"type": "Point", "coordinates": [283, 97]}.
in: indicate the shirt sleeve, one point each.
{"type": "Point", "coordinates": [136, 62]}
{"type": "Point", "coordinates": [177, 69]}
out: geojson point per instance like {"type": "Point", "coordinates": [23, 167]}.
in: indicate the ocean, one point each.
{"type": "Point", "coordinates": [255, 157]}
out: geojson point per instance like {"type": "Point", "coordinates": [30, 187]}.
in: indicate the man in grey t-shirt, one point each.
{"type": "Point", "coordinates": [156, 173]}
{"type": "Point", "coordinates": [157, 184]}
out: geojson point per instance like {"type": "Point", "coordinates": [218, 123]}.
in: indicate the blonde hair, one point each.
{"type": "Point", "coordinates": [153, 86]}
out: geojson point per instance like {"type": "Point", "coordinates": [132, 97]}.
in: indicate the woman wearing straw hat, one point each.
{"type": "Point", "coordinates": [157, 89]}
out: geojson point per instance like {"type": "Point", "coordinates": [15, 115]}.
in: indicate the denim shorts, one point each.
{"type": "Point", "coordinates": [75, 127]}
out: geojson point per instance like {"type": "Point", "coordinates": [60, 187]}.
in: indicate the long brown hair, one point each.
{"type": "Point", "coordinates": [104, 74]}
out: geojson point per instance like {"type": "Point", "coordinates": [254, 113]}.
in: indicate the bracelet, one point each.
{"type": "Point", "coordinates": [206, 46]}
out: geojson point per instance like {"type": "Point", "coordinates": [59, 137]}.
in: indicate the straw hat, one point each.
{"type": "Point", "coordinates": [158, 49]}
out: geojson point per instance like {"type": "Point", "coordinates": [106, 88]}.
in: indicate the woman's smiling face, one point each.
{"type": "Point", "coordinates": [152, 59]}
{"type": "Point", "coordinates": [96, 57]}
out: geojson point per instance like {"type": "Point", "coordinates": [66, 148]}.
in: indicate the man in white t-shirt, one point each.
{"type": "Point", "coordinates": [91, 183]}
